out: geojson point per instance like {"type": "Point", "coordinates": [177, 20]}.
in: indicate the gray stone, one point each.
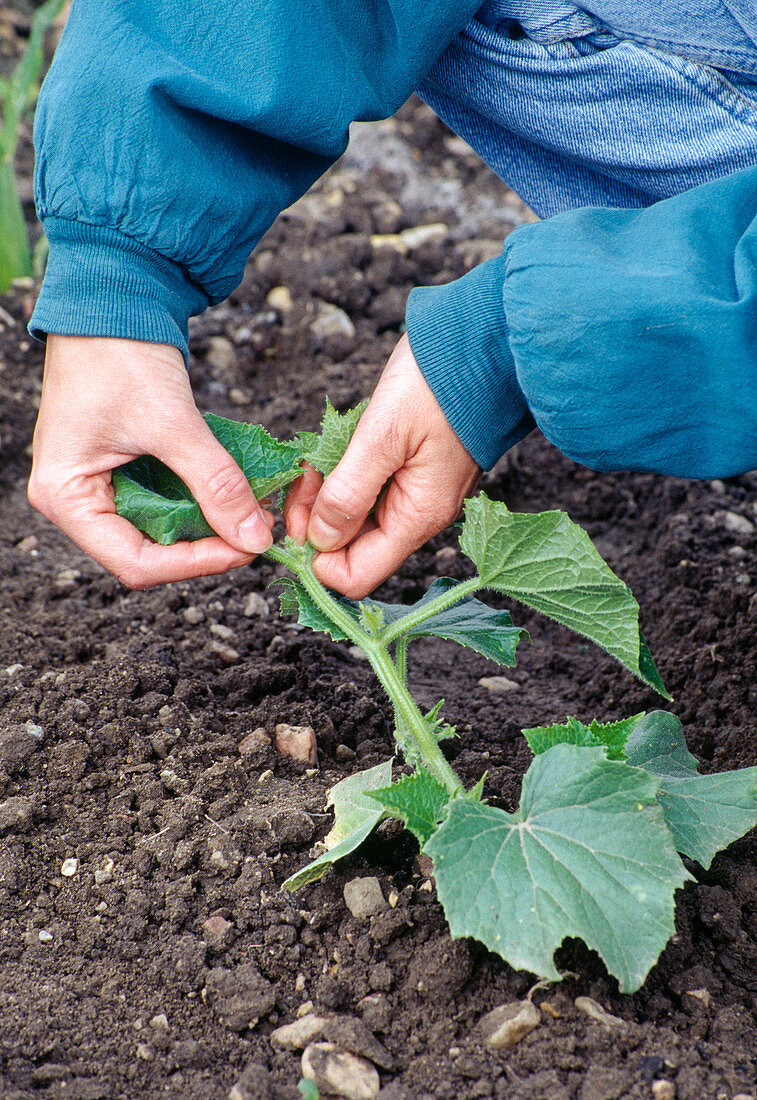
{"type": "Point", "coordinates": [15, 813]}
{"type": "Point", "coordinates": [364, 897]}
{"type": "Point", "coordinates": [354, 1036]}
{"type": "Point", "coordinates": [738, 524]}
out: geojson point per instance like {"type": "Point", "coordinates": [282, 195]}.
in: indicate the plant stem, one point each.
{"type": "Point", "coordinates": [414, 618]}
{"type": "Point", "coordinates": [408, 715]}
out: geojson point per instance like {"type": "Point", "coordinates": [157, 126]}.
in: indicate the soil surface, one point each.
{"type": "Point", "coordinates": [163, 963]}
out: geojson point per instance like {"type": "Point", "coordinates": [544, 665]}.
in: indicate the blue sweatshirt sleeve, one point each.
{"type": "Point", "coordinates": [169, 135]}
{"type": "Point", "coordinates": [628, 336]}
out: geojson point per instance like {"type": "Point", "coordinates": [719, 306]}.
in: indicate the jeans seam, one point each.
{"type": "Point", "coordinates": [708, 80]}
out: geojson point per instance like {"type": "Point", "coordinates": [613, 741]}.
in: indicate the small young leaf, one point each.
{"type": "Point", "coordinates": [572, 732]}
{"type": "Point", "coordinates": [704, 812]}
{"type": "Point", "coordinates": [294, 600]}
{"type": "Point", "coordinates": [548, 563]}
{"type": "Point", "coordinates": [355, 815]}
{"type": "Point", "coordinates": [588, 854]}
{"type": "Point", "coordinates": [325, 450]}
{"type": "Point", "coordinates": [416, 799]}
{"type": "Point", "coordinates": [613, 735]}
{"type": "Point", "coordinates": [468, 622]}
{"type": "Point", "coordinates": [156, 500]}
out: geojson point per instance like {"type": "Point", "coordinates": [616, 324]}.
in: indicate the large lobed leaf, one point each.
{"type": "Point", "coordinates": [548, 563]}
{"type": "Point", "coordinates": [704, 812]}
{"type": "Point", "coordinates": [355, 815]}
{"type": "Point", "coordinates": [588, 854]}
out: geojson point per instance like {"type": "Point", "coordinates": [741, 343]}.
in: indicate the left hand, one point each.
{"type": "Point", "coordinates": [403, 442]}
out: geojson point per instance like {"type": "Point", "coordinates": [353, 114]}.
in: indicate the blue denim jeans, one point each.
{"type": "Point", "coordinates": [603, 102]}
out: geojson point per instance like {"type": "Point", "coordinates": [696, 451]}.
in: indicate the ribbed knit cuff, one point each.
{"type": "Point", "coordinates": [458, 335]}
{"type": "Point", "coordinates": [100, 282]}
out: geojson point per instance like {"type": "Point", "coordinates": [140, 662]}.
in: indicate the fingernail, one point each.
{"type": "Point", "coordinates": [254, 534]}
{"type": "Point", "coordinates": [322, 536]}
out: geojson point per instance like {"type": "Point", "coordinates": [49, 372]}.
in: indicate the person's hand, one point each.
{"type": "Point", "coordinates": [404, 436]}
{"type": "Point", "coordinates": [106, 401]}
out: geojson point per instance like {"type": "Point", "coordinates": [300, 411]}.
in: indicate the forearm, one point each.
{"type": "Point", "coordinates": [628, 336]}
{"type": "Point", "coordinates": [169, 136]}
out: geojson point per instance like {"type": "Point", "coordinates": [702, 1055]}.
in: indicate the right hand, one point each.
{"type": "Point", "coordinates": [106, 401]}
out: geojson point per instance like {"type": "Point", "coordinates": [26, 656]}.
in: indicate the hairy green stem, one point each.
{"type": "Point", "coordinates": [409, 717]}
{"type": "Point", "coordinates": [414, 618]}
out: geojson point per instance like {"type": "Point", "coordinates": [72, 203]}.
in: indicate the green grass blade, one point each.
{"type": "Point", "coordinates": [15, 259]}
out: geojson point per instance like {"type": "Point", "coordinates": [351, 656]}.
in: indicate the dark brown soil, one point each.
{"type": "Point", "coordinates": [131, 763]}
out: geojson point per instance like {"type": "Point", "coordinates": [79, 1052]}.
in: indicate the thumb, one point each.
{"type": "Point", "coordinates": [218, 485]}
{"type": "Point", "coordinates": [352, 488]}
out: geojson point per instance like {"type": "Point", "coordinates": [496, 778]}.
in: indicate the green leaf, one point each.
{"type": "Point", "coordinates": [416, 799]}
{"type": "Point", "coordinates": [613, 735]}
{"type": "Point", "coordinates": [267, 463]}
{"type": "Point", "coordinates": [468, 622]}
{"type": "Point", "coordinates": [294, 600]}
{"type": "Point", "coordinates": [325, 450]}
{"type": "Point", "coordinates": [355, 815]}
{"type": "Point", "coordinates": [308, 1089]}
{"type": "Point", "coordinates": [156, 500]}
{"type": "Point", "coordinates": [547, 562]}
{"type": "Point", "coordinates": [588, 854]}
{"type": "Point", "coordinates": [705, 812]}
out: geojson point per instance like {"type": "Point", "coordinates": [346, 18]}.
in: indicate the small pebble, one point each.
{"type": "Point", "coordinates": [256, 741]}
{"type": "Point", "coordinates": [296, 742]}
{"type": "Point", "coordinates": [193, 616]}
{"type": "Point", "coordinates": [45, 936]}
{"type": "Point", "coordinates": [31, 542]}
{"type": "Point", "coordinates": [299, 1033]}
{"type": "Point", "coordinates": [69, 867]}
{"type": "Point", "coordinates": [15, 813]}
{"type": "Point", "coordinates": [664, 1090]}
{"type": "Point", "coordinates": [225, 633]}
{"type": "Point", "coordinates": [67, 579]}
{"type": "Point", "coordinates": [364, 897]}
{"type": "Point", "coordinates": [424, 234]}
{"type": "Point", "coordinates": [256, 606]}
{"type": "Point", "coordinates": [220, 353]}
{"type": "Point", "coordinates": [265, 776]}
{"type": "Point", "coordinates": [239, 397]}
{"type": "Point", "coordinates": [280, 298]}
{"type": "Point", "coordinates": [145, 1052]}
{"type": "Point", "coordinates": [506, 1025]}
{"type": "Point", "coordinates": [159, 1022]}
{"type": "Point", "coordinates": [446, 555]}
{"type": "Point", "coordinates": [227, 653]}
{"type": "Point", "coordinates": [11, 670]}
{"type": "Point", "coordinates": [338, 1072]}
{"type": "Point", "coordinates": [738, 524]}
{"type": "Point", "coordinates": [595, 1012]}
{"type": "Point", "coordinates": [498, 685]}
{"type": "Point", "coordinates": [332, 321]}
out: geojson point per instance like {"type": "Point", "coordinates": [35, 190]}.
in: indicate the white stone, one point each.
{"type": "Point", "coordinates": [69, 867]}
{"type": "Point", "coordinates": [332, 321]}
{"type": "Point", "coordinates": [256, 606]}
{"type": "Point", "coordinates": [738, 524]}
{"type": "Point", "coordinates": [338, 1072]}
{"type": "Point", "coordinates": [299, 1033]}
{"type": "Point", "coordinates": [595, 1012]}
{"type": "Point", "coordinates": [424, 234]}
{"type": "Point", "coordinates": [45, 936]}
{"type": "Point", "coordinates": [193, 615]}
{"type": "Point", "coordinates": [280, 298]}
{"type": "Point", "coordinates": [498, 685]}
{"type": "Point", "coordinates": [507, 1024]}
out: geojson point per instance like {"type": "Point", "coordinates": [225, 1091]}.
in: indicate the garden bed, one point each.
{"type": "Point", "coordinates": [163, 963]}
